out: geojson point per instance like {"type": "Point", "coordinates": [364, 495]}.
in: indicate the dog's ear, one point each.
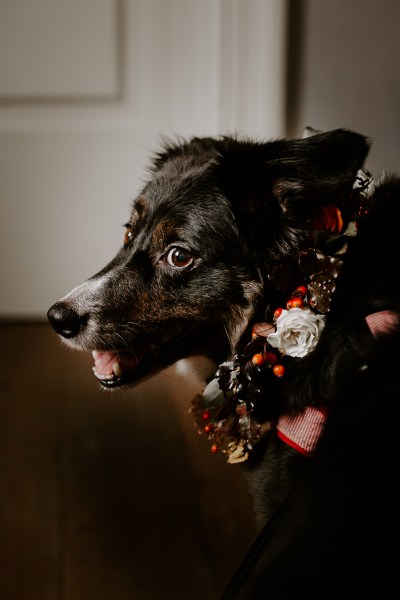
{"type": "Point", "coordinates": [321, 165]}
{"type": "Point", "coordinates": [314, 169]}
{"type": "Point", "coordinates": [278, 186]}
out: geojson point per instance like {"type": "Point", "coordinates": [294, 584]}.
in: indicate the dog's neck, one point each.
{"type": "Point", "coordinates": [245, 385]}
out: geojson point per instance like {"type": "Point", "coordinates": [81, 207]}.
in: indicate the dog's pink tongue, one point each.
{"type": "Point", "coordinates": [105, 362]}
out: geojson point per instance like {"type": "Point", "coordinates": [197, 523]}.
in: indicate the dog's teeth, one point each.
{"type": "Point", "coordinates": [117, 369]}
{"type": "Point", "coordinates": [100, 376]}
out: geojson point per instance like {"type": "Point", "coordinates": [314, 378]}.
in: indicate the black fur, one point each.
{"type": "Point", "coordinates": [338, 532]}
{"type": "Point", "coordinates": [234, 209]}
{"type": "Point", "coordinates": [238, 208]}
{"type": "Point", "coordinates": [368, 283]}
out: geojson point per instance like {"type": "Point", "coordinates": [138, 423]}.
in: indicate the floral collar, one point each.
{"type": "Point", "coordinates": [227, 412]}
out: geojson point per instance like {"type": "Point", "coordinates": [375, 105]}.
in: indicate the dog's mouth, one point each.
{"type": "Point", "coordinates": [115, 368]}
{"type": "Point", "coordinates": [112, 368]}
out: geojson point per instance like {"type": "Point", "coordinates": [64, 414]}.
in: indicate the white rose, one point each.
{"type": "Point", "coordinates": [297, 331]}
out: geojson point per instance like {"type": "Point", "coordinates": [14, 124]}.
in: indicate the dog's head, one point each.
{"type": "Point", "coordinates": [215, 216]}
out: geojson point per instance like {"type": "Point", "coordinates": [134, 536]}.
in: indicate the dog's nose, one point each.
{"type": "Point", "coordinates": [65, 320]}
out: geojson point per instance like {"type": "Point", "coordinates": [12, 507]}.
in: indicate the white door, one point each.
{"type": "Point", "coordinates": [86, 89]}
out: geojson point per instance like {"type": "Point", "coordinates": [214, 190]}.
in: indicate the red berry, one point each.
{"type": "Point", "coordinates": [208, 428]}
{"type": "Point", "coordinates": [214, 448]}
{"type": "Point", "coordinates": [258, 359]}
{"type": "Point", "coordinates": [206, 416]}
{"type": "Point", "coordinates": [279, 370]}
{"type": "Point", "coordinates": [302, 290]}
{"type": "Point", "coordinates": [278, 312]}
{"type": "Point", "coordinates": [295, 303]}
{"type": "Point", "coordinates": [270, 357]}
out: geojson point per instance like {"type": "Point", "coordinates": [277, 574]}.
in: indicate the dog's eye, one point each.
{"type": "Point", "coordinates": [128, 234]}
{"type": "Point", "coordinates": [180, 258]}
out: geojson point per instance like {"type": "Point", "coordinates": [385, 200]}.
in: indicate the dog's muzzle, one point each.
{"type": "Point", "coordinates": [111, 367]}
{"type": "Point", "coordinates": [65, 320]}
{"type": "Point", "coordinates": [116, 366]}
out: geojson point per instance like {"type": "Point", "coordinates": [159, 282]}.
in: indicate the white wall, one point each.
{"type": "Point", "coordinates": [86, 89]}
{"type": "Point", "coordinates": [345, 60]}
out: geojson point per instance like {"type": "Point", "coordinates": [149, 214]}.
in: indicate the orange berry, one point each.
{"type": "Point", "coordinates": [214, 448]}
{"type": "Point", "coordinates": [278, 312]}
{"type": "Point", "coordinates": [279, 370]}
{"type": "Point", "coordinates": [258, 359]}
{"type": "Point", "coordinates": [208, 428]}
{"type": "Point", "coordinates": [206, 416]}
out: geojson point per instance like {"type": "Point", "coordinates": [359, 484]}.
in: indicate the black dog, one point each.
{"type": "Point", "coordinates": [214, 219]}
{"type": "Point", "coordinates": [226, 232]}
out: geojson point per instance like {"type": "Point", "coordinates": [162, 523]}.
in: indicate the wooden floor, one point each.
{"type": "Point", "coordinates": [109, 495]}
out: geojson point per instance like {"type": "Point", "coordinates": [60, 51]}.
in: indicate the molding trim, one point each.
{"type": "Point", "coordinates": [253, 67]}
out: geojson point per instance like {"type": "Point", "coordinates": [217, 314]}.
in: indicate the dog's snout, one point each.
{"type": "Point", "coordinates": [65, 320]}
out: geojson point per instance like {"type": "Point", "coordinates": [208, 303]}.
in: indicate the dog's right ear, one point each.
{"type": "Point", "coordinates": [276, 188]}
{"type": "Point", "coordinates": [314, 169]}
